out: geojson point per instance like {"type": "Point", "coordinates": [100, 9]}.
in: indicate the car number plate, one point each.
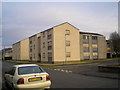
{"type": "Point", "coordinates": [34, 79]}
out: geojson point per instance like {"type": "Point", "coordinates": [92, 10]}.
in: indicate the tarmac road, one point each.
{"type": "Point", "coordinates": [68, 79]}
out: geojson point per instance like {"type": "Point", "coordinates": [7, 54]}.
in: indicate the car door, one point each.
{"type": "Point", "coordinates": [10, 76]}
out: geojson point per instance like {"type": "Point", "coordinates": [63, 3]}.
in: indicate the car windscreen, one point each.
{"type": "Point", "coordinates": [29, 70]}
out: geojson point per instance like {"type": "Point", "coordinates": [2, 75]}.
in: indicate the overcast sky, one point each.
{"type": "Point", "coordinates": [23, 19]}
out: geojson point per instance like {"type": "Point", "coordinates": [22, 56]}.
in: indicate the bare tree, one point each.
{"type": "Point", "coordinates": [115, 42]}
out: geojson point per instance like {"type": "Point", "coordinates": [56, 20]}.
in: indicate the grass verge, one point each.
{"type": "Point", "coordinates": [68, 63]}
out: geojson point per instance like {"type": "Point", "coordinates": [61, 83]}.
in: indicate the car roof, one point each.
{"type": "Point", "coordinates": [23, 65]}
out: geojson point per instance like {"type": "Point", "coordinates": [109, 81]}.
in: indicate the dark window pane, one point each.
{"type": "Point", "coordinates": [94, 37]}
{"type": "Point", "coordinates": [49, 47]}
{"type": "Point", "coordinates": [95, 49]}
{"type": "Point", "coordinates": [85, 41]}
{"type": "Point", "coordinates": [85, 37]}
{"type": "Point", "coordinates": [86, 57]}
{"type": "Point", "coordinates": [94, 41]}
{"type": "Point", "coordinates": [86, 49]}
{"type": "Point", "coordinates": [95, 57]}
{"type": "Point", "coordinates": [49, 36]}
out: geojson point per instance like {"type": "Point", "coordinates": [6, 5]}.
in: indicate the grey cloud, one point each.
{"type": "Point", "coordinates": [28, 18]}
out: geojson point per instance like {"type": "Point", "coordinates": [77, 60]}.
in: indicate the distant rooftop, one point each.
{"type": "Point", "coordinates": [91, 33]}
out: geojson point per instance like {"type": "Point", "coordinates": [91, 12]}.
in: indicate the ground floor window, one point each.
{"type": "Point", "coordinates": [68, 54]}
{"type": "Point", "coordinates": [49, 55]}
{"type": "Point", "coordinates": [49, 58]}
{"type": "Point", "coordinates": [30, 58]}
{"type": "Point", "coordinates": [95, 57]}
{"type": "Point", "coordinates": [86, 57]}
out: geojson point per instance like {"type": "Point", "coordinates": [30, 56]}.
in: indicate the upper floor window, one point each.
{"type": "Point", "coordinates": [67, 43]}
{"type": "Point", "coordinates": [94, 38]}
{"type": "Point", "coordinates": [86, 49]}
{"type": "Point", "coordinates": [67, 32]}
{"type": "Point", "coordinates": [30, 49]}
{"type": "Point", "coordinates": [85, 41]}
{"type": "Point", "coordinates": [95, 49]}
{"type": "Point", "coordinates": [43, 44]}
{"type": "Point", "coordinates": [43, 34]}
{"type": "Point", "coordinates": [49, 36]}
{"type": "Point", "coordinates": [30, 42]}
{"type": "Point", "coordinates": [49, 43]}
{"type": "Point", "coordinates": [94, 42]}
{"type": "Point", "coordinates": [85, 37]}
{"type": "Point", "coordinates": [49, 47]}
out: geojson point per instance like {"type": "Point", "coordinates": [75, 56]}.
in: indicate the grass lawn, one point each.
{"type": "Point", "coordinates": [69, 63]}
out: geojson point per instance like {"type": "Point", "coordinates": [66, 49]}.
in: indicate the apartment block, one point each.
{"type": "Point", "coordinates": [92, 46]}
{"type": "Point", "coordinates": [6, 54]}
{"type": "Point", "coordinates": [60, 44]}
{"type": "Point", "coordinates": [47, 50]}
{"type": "Point", "coordinates": [21, 50]}
{"type": "Point", "coordinates": [66, 43]}
{"type": "Point", "coordinates": [34, 48]}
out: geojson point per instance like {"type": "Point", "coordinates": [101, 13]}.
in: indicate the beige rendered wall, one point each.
{"type": "Point", "coordinates": [60, 47]}
{"type": "Point", "coordinates": [16, 51]}
{"type": "Point", "coordinates": [102, 47]}
{"type": "Point", "coordinates": [24, 49]}
{"type": "Point", "coordinates": [13, 52]}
